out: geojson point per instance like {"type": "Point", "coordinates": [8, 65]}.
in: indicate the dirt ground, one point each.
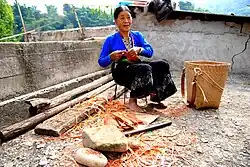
{"type": "Point", "coordinates": [222, 135]}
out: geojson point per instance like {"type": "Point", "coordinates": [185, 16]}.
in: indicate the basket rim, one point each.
{"type": "Point", "coordinates": [213, 63]}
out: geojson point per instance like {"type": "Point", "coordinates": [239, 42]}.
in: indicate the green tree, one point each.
{"type": "Point", "coordinates": [69, 19]}
{"type": "Point", "coordinates": [30, 16]}
{"type": "Point", "coordinates": [186, 5]}
{"type": "Point", "coordinates": [190, 7]}
{"type": "Point", "coordinates": [94, 17]}
{"type": "Point", "coordinates": [6, 19]}
{"type": "Point", "coordinates": [34, 19]}
{"type": "Point", "coordinates": [89, 17]}
{"type": "Point", "coordinates": [51, 20]}
{"type": "Point", "coordinates": [238, 8]}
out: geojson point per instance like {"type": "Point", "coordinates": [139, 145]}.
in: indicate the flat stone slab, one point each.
{"type": "Point", "coordinates": [105, 138]}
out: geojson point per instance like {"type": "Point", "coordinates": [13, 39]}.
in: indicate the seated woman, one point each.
{"type": "Point", "coordinates": [123, 50]}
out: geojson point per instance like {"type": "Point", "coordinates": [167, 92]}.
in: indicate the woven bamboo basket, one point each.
{"type": "Point", "coordinates": [205, 82]}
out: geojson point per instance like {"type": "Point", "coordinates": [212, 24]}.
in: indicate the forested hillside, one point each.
{"type": "Point", "coordinates": [239, 7]}
{"type": "Point", "coordinates": [51, 20]}
{"type": "Point", "coordinates": [99, 16]}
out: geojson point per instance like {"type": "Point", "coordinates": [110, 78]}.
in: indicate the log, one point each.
{"type": "Point", "coordinates": [38, 105]}
{"type": "Point", "coordinates": [28, 124]}
{"type": "Point", "coordinates": [57, 125]}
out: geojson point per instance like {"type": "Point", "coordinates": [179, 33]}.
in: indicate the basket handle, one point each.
{"type": "Point", "coordinates": [183, 75]}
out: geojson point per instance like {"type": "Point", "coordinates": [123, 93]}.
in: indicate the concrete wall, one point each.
{"type": "Point", "coordinates": [71, 34]}
{"type": "Point", "coordinates": [26, 67]}
{"type": "Point", "coordinates": [180, 40]}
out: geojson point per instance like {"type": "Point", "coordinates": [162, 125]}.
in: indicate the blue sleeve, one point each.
{"type": "Point", "coordinates": [147, 49]}
{"type": "Point", "coordinates": [104, 58]}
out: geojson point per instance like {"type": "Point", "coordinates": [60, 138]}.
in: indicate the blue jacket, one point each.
{"type": "Point", "coordinates": [114, 42]}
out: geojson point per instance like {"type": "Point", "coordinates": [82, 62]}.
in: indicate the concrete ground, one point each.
{"type": "Point", "coordinates": [222, 135]}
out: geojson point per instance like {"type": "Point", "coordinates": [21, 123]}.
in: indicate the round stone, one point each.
{"type": "Point", "coordinates": [90, 158]}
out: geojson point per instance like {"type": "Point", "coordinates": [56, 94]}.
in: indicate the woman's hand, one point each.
{"type": "Point", "coordinates": [133, 53]}
{"type": "Point", "coordinates": [117, 55]}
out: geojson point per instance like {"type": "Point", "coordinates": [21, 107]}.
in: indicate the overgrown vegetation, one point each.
{"type": "Point", "coordinates": [6, 19]}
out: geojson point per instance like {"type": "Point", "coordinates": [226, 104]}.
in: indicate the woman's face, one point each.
{"type": "Point", "coordinates": [124, 21]}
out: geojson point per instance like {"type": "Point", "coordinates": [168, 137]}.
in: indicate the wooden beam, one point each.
{"type": "Point", "coordinates": [39, 105]}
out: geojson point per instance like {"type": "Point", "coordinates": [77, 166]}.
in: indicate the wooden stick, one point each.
{"type": "Point", "coordinates": [25, 125]}
{"type": "Point", "coordinates": [39, 105]}
{"type": "Point", "coordinates": [77, 19]}
{"type": "Point", "coordinates": [148, 128]}
{"type": "Point", "coordinates": [21, 17]}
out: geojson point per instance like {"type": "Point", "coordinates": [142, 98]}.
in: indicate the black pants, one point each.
{"type": "Point", "coordinates": [145, 78]}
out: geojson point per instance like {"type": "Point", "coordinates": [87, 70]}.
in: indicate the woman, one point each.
{"type": "Point", "coordinates": [123, 50]}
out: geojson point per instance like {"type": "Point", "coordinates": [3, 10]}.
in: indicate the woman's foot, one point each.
{"type": "Point", "coordinates": [154, 97]}
{"type": "Point", "coordinates": [132, 104]}
{"type": "Point", "coordinates": [157, 105]}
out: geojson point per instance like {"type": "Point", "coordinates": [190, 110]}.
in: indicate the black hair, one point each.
{"type": "Point", "coordinates": [120, 9]}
